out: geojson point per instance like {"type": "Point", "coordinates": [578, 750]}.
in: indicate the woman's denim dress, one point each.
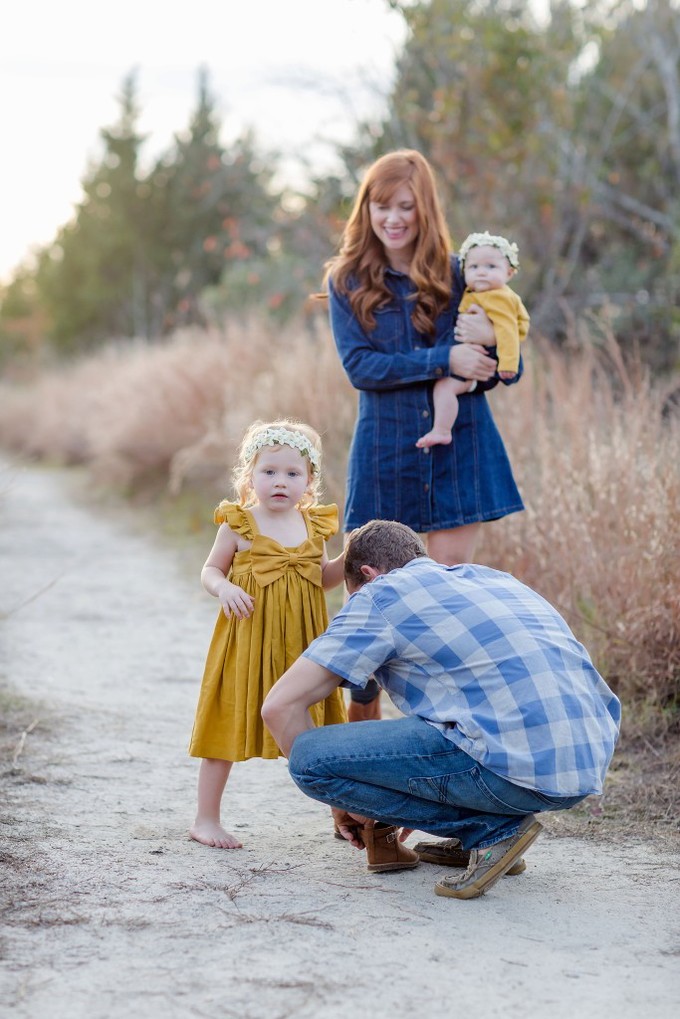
{"type": "Point", "coordinates": [393, 367]}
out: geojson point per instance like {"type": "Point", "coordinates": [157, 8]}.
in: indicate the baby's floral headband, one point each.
{"type": "Point", "coordinates": [510, 250]}
{"type": "Point", "coordinates": [284, 437]}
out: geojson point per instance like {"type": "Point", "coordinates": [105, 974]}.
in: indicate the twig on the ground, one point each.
{"type": "Point", "coordinates": [231, 891]}
{"type": "Point", "coordinates": [271, 868]}
{"type": "Point", "coordinates": [295, 918]}
{"type": "Point", "coordinates": [18, 750]}
{"type": "Point", "coordinates": [372, 887]}
{"type": "Point", "coordinates": [34, 597]}
{"type": "Point", "coordinates": [652, 749]}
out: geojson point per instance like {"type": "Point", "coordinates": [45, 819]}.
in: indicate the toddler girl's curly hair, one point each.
{"type": "Point", "coordinates": [259, 436]}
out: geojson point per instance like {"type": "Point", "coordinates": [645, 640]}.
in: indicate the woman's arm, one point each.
{"type": "Point", "coordinates": [370, 368]}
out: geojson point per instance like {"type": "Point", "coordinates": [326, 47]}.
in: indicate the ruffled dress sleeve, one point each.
{"type": "Point", "coordinates": [323, 520]}
{"type": "Point", "coordinates": [235, 517]}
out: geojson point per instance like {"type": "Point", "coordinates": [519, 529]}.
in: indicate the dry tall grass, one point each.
{"type": "Point", "coordinates": [597, 462]}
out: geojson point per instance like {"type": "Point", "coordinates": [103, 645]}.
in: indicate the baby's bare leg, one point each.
{"type": "Point", "coordinates": [207, 829]}
{"type": "Point", "coordinates": [445, 398]}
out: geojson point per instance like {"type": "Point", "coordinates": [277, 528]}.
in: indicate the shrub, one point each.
{"type": "Point", "coordinates": [596, 458]}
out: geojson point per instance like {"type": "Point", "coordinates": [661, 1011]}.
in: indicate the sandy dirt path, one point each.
{"type": "Point", "coordinates": [110, 911]}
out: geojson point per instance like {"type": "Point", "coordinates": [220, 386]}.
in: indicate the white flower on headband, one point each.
{"type": "Point", "coordinates": [510, 250]}
{"type": "Point", "coordinates": [284, 437]}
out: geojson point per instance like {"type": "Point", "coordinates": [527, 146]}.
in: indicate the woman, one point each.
{"type": "Point", "coordinates": [394, 290]}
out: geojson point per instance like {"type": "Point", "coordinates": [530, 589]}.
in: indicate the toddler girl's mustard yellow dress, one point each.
{"type": "Point", "coordinates": [247, 656]}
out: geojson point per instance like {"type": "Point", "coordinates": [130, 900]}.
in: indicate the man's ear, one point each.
{"type": "Point", "coordinates": [369, 572]}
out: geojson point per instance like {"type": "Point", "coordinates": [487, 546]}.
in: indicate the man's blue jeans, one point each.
{"type": "Point", "coordinates": [405, 772]}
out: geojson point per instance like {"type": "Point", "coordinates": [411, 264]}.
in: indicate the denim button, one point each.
{"type": "Point", "coordinates": [426, 413]}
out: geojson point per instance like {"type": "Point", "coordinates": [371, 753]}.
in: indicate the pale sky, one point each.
{"type": "Point", "coordinates": [62, 64]}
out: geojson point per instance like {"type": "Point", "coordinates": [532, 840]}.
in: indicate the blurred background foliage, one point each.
{"type": "Point", "coordinates": [174, 308]}
{"type": "Point", "coordinates": [563, 133]}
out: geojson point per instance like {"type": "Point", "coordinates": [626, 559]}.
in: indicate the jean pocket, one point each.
{"type": "Point", "coordinates": [514, 799]}
{"type": "Point", "coordinates": [458, 789]}
{"type": "Point", "coordinates": [505, 797]}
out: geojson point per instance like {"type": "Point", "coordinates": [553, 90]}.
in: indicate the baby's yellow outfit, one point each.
{"type": "Point", "coordinates": [247, 656]}
{"type": "Point", "coordinates": [509, 318]}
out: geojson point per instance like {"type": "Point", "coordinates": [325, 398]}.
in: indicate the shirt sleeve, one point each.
{"type": "Point", "coordinates": [357, 642]}
{"type": "Point", "coordinates": [368, 367]}
{"type": "Point", "coordinates": [502, 308]}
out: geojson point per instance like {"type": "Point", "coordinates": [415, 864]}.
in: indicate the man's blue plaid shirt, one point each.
{"type": "Point", "coordinates": [487, 661]}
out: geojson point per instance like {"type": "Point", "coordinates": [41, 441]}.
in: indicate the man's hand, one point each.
{"type": "Point", "coordinates": [348, 827]}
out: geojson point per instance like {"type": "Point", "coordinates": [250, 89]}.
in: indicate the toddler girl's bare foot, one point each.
{"type": "Point", "coordinates": [211, 833]}
{"type": "Point", "coordinates": [434, 438]}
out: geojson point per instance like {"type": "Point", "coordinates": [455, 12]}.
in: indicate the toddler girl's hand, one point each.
{"type": "Point", "coordinates": [506, 376]}
{"type": "Point", "coordinates": [234, 599]}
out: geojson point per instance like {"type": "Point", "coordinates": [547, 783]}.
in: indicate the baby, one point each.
{"type": "Point", "coordinates": [488, 262]}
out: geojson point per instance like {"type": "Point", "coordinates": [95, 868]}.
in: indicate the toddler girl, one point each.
{"type": "Point", "coordinates": [268, 568]}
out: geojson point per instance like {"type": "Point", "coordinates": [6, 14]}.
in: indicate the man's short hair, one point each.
{"type": "Point", "coordinates": [383, 544]}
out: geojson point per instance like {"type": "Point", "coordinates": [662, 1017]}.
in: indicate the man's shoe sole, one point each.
{"type": "Point", "coordinates": [457, 858]}
{"type": "Point", "coordinates": [489, 878]}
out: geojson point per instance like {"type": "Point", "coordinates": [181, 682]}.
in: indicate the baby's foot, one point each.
{"type": "Point", "coordinates": [434, 438]}
{"type": "Point", "coordinates": [211, 833]}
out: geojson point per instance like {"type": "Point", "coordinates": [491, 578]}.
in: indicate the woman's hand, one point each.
{"type": "Point", "coordinates": [474, 326]}
{"type": "Point", "coordinates": [471, 362]}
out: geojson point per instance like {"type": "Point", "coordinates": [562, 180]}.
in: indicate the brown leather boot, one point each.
{"type": "Point", "coordinates": [370, 712]}
{"type": "Point", "coordinates": [384, 851]}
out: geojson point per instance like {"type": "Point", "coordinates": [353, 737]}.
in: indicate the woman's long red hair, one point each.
{"type": "Point", "coordinates": [362, 258]}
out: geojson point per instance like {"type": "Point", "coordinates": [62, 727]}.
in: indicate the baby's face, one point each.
{"type": "Point", "coordinates": [486, 268]}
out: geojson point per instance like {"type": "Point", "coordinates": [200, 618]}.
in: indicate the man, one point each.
{"type": "Point", "coordinates": [505, 714]}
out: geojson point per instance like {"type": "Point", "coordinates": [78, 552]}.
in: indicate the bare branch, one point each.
{"type": "Point", "coordinates": [18, 750]}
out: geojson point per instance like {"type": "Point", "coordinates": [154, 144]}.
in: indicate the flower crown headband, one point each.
{"type": "Point", "coordinates": [284, 437]}
{"type": "Point", "coordinates": [510, 250]}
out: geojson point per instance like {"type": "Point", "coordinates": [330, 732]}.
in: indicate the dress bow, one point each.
{"type": "Point", "coordinates": [271, 563]}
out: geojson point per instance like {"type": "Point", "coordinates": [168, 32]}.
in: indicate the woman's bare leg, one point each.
{"type": "Point", "coordinates": [207, 829]}
{"type": "Point", "coordinates": [454, 546]}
